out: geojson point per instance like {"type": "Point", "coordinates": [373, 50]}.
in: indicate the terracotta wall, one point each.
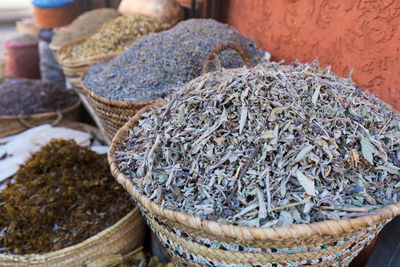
{"type": "Point", "coordinates": [359, 34]}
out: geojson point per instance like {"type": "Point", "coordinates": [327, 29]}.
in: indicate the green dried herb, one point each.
{"type": "Point", "coordinates": [86, 24]}
{"type": "Point", "coordinates": [114, 36]}
{"type": "Point", "coordinates": [63, 195]}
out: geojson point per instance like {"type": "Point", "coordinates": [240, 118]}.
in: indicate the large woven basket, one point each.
{"type": "Point", "coordinates": [193, 241]}
{"type": "Point", "coordinates": [10, 125]}
{"type": "Point", "coordinates": [113, 114]}
{"type": "Point", "coordinates": [122, 237]}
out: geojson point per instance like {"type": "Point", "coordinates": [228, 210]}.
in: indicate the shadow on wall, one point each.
{"type": "Point", "coordinates": [360, 35]}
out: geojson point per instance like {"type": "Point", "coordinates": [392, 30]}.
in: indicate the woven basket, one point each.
{"type": "Point", "coordinates": [73, 69]}
{"type": "Point", "coordinates": [193, 241]}
{"type": "Point", "coordinates": [113, 114]}
{"type": "Point", "coordinates": [10, 125]}
{"type": "Point", "coordinates": [125, 235]}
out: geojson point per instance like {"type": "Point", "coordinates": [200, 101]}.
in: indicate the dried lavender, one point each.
{"type": "Point", "coordinates": [271, 146]}
{"type": "Point", "coordinates": [27, 97]}
{"type": "Point", "coordinates": [157, 63]}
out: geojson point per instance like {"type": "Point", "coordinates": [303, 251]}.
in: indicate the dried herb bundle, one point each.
{"type": "Point", "coordinates": [156, 64]}
{"type": "Point", "coordinates": [86, 24]}
{"type": "Point", "coordinates": [114, 36]}
{"type": "Point", "coordinates": [27, 97]}
{"type": "Point", "coordinates": [63, 195]}
{"type": "Point", "coordinates": [270, 146]}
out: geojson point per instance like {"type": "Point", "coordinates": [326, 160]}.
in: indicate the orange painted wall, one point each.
{"type": "Point", "coordinates": [359, 34]}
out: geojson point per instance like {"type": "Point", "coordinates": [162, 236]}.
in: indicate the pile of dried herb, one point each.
{"type": "Point", "coordinates": [114, 36]}
{"type": "Point", "coordinates": [27, 97]}
{"type": "Point", "coordinates": [86, 24]}
{"type": "Point", "coordinates": [156, 64]}
{"type": "Point", "coordinates": [63, 195]}
{"type": "Point", "coordinates": [271, 146]}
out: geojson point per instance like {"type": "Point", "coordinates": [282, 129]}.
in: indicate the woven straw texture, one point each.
{"type": "Point", "coordinates": [127, 234]}
{"type": "Point", "coordinates": [10, 125]}
{"type": "Point", "coordinates": [193, 241]}
{"type": "Point", "coordinates": [113, 114]}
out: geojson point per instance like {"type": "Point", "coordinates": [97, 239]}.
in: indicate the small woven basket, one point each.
{"type": "Point", "coordinates": [14, 124]}
{"type": "Point", "coordinates": [113, 114]}
{"type": "Point", "coordinates": [125, 235]}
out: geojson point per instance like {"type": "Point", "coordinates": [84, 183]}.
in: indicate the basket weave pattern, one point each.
{"type": "Point", "coordinates": [127, 234]}
{"type": "Point", "coordinates": [194, 241]}
{"type": "Point", "coordinates": [113, 114]}
{"type": "Point", "coordinates": [10, 125]}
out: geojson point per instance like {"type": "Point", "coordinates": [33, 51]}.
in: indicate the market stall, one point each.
{"type": "Point", "coordinates": [151, 133]}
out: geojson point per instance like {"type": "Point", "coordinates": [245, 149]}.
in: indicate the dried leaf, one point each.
{"type": "Point", "coordinates": [367, 150]}
{"type": "Point", "coordinates": [316, 95]}
{"type": "Point", "coordinates": [243, 117]}
{"type": "Point", "coordinates": [285, 218]}
{"type": "Point", "coordinates": [262, 210]}
{"type": "Point", "coordinates": [219, 140]}
{"type": "Point", "coordinates": [303, 153]}
{"type": "Point", "coordinates": [306, 183]}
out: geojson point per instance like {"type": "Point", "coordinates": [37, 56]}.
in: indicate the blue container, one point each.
{"type": "Point", "coordinates": [51, 3]}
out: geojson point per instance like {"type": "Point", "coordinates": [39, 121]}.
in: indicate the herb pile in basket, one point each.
{"type": "Point", "coordinates": [86, 24]}
{"type": "Point", "coordinates": [61, 196]}
{"type": "Point", "coordinates": [114, 36]}
{"type": "Point", "coordinates": [27, 97]}
{"type": "Point", "coordinates": [270, 146]}
{"type": "Point", "coordinates": [157, 63]}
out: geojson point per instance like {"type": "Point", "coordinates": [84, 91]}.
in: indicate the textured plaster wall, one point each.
{"type": "Point", "coordinates": [359, 34]}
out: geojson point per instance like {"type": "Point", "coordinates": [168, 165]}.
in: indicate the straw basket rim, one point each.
{"type": "Point", "coordinates": [82, 61]}
{"type": "Point", "coordinates": [109, 101]}
{"type": "Point", "coordinates": [74, 248]}
{"type": "Point", "coordinates": [295, 231]}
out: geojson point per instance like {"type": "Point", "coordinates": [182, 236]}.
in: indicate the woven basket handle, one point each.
{"type": "Point", "coordinates": [211, 55]}
{"type": "Point", "coordinates": [28, 125]}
